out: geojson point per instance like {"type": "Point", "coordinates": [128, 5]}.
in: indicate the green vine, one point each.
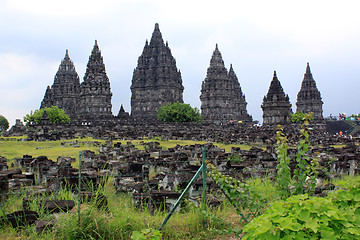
{"type": "Point", "coordinates": [283, 176]}
{"type": "Point", "coordinates": [305, 172]}
{"type": "Point", "coordinates": [241, 195]}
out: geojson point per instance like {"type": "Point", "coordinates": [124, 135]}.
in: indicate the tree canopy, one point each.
{"type": "Point", "coordinates": [56, 115]}
{"type": "Point", "coordinates": [178, 112]}
{"type": "Point", "coordinates": [4, 123]}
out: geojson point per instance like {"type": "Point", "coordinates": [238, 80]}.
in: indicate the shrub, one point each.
{"type": "Point", "coordinates": [302, 117]}
{"type": "Point", "coordinates": [178, 112]}
{"type": "Point", "coordinates": [56, 115]}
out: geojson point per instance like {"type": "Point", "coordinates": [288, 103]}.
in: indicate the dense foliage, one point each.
{"type": "Point", "coordinates": [304, 217]}
{"type": "Point", "coordinates": [4, 123]}
{"type": "Point", "coordinates": [178, 112]}
{"type": "Point", "coordinates": [302, 117]}
{"type": "Point", "coordinates": [56, 115]}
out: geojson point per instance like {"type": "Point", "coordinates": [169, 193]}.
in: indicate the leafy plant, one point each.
{"type": "Point", "coordinates": [242, 195]}
{"type": "Point", "coordinates": [305, 172]}
{"type": "Point", "coordinates": [235, 158]}
{"type": "Point", "coordinates": [146, 234]}
{"type": "Point", "coordinates": [301, 117]}
{"type": "Point", "coordinates": [56, 115]}
{"type": "Point", "coordinates": [303, 217]}
{"type": "Point", "coordinates": [306, 169]}
{"type": "Point", "coordinates": [283, 176]}
{"type": "Point", "coordinates": [178, 112]}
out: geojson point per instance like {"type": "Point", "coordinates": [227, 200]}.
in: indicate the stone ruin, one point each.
{"type": "Point", "coordinates": [18, 129]}
{"type": "Point", "coordinates": [153, 176]}
{"type": "Point", "coordinates": [157, 81]}
{"type": "Point", "coordinates": [222, 99]}
{"type": "Point", "coordinates": [64, 92]}
{"type": "Point", "coordinates": [276, 105]}
{"type": "Point", "coordinates": [309, 97]}
{"type": "Point", "coordinates": [95, 93]}
{"type": "Point", "coordinates": [88, 100]}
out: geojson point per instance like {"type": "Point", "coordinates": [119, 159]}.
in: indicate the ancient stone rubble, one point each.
{"type": "Point", "coordinates": [276, 105]}
{"type": "Point", "coordinates": [309, 97]}
{"type": "Point", "coordinates": [18, 129]}
{"type": "Point", "coordinates": [156, 80]}
{"type": "Point", "coordinates": [154, 176]}
{"type": "Point", "coordinates": [221, 96]}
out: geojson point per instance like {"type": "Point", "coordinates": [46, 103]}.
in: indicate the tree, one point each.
{"type": "Point", "coordinates": [4, 123]}
{"type": "Point", "coordinates": [56, 115]}
{"type": "Point", "coordinates": [301, 117]}
{"type": "Point", "coordinates": [178, 112]}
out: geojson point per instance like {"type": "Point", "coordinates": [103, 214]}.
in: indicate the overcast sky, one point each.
{"type": "Point", "coordinates": [256, 37]}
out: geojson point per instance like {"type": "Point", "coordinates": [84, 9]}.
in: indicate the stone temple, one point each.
{"type": "Point", "coordinates": [156, 80]}
{"type": "Point", "coordinates": [95, 93]}
{"type": "Point", "coordinates": [89, 100]}
{"type": "Point", "coordinates": [309, 97]}
{"type": "Point", "coordinates": [65, 89]}
{"type": "Point", "coordinates": [222, 99]}
{"type": "Point", "coordinates": [276, 105]}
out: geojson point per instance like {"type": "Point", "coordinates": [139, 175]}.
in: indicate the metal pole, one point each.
{"type": "Point", "coordinates": [79, 190]}
{"type": "Point", "coordinates": [178, 201]}
{"type": "Point", "coordinates": [237, 209]}
{"type": "Point", "coordinates": [204, 180]}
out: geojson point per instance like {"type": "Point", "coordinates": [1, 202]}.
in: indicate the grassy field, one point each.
{"type": "Point", "coordinates": [15, 148]}
{"type": "Point", "coordinates": [124, 217]}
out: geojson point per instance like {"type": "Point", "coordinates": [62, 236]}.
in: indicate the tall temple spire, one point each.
{"type": "Point", "coordinates": [95, 91]}
{"type": "Point", "coordinates": [67, 55]}
{"type": "Point", "coordinates": [156, 38]}
{"type": "Point", "coordinates": [216, 59]}
{"type": "Point", "coordinates": [64, 91]}
{"type": "Point", "coordinates": [276, 90]}
{"type": "Point", "coordinates": [221, 97]}
{"type": "Point", "coordinates": [276, 104]}
{"type": "Point", "coordinates": [309, 97]}
{"type": "Point", "coordinates": [156, 79]}
{"type": "Point", "coordinates": [308, 68]}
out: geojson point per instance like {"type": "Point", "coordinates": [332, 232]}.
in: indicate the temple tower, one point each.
{"type": "Point", "coordinates": [95, 93]}
{"type": "Point", "coordinates": [156, 80]}
{"type": "Point", "coordinates": [65, 89]}
{"type": "Point", "coordinates": [309, 97]}
{"type": "Point", "coordinates": [276, 105]}
{"type": "Point", "coordinates": [221, 96]}
{"type": "Point", "coordinates": [240, 112]}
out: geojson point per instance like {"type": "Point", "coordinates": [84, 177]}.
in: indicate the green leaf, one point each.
{"type": "Point", "coordinates": [328, 234]}
{"type": "Point", "coordinates": [353, 231]}
{"type": "Point", "coordinates": [312, 224]}
{"type": "Point", "coordinates": [264, 227]}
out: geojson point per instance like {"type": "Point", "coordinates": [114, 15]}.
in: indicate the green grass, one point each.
{"type": "Point", "coordinates": [123, 218]}
{"type": "Point", "coordinates": [347, 181]}
{"type": "Point", "coordinates": [53, 149]}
